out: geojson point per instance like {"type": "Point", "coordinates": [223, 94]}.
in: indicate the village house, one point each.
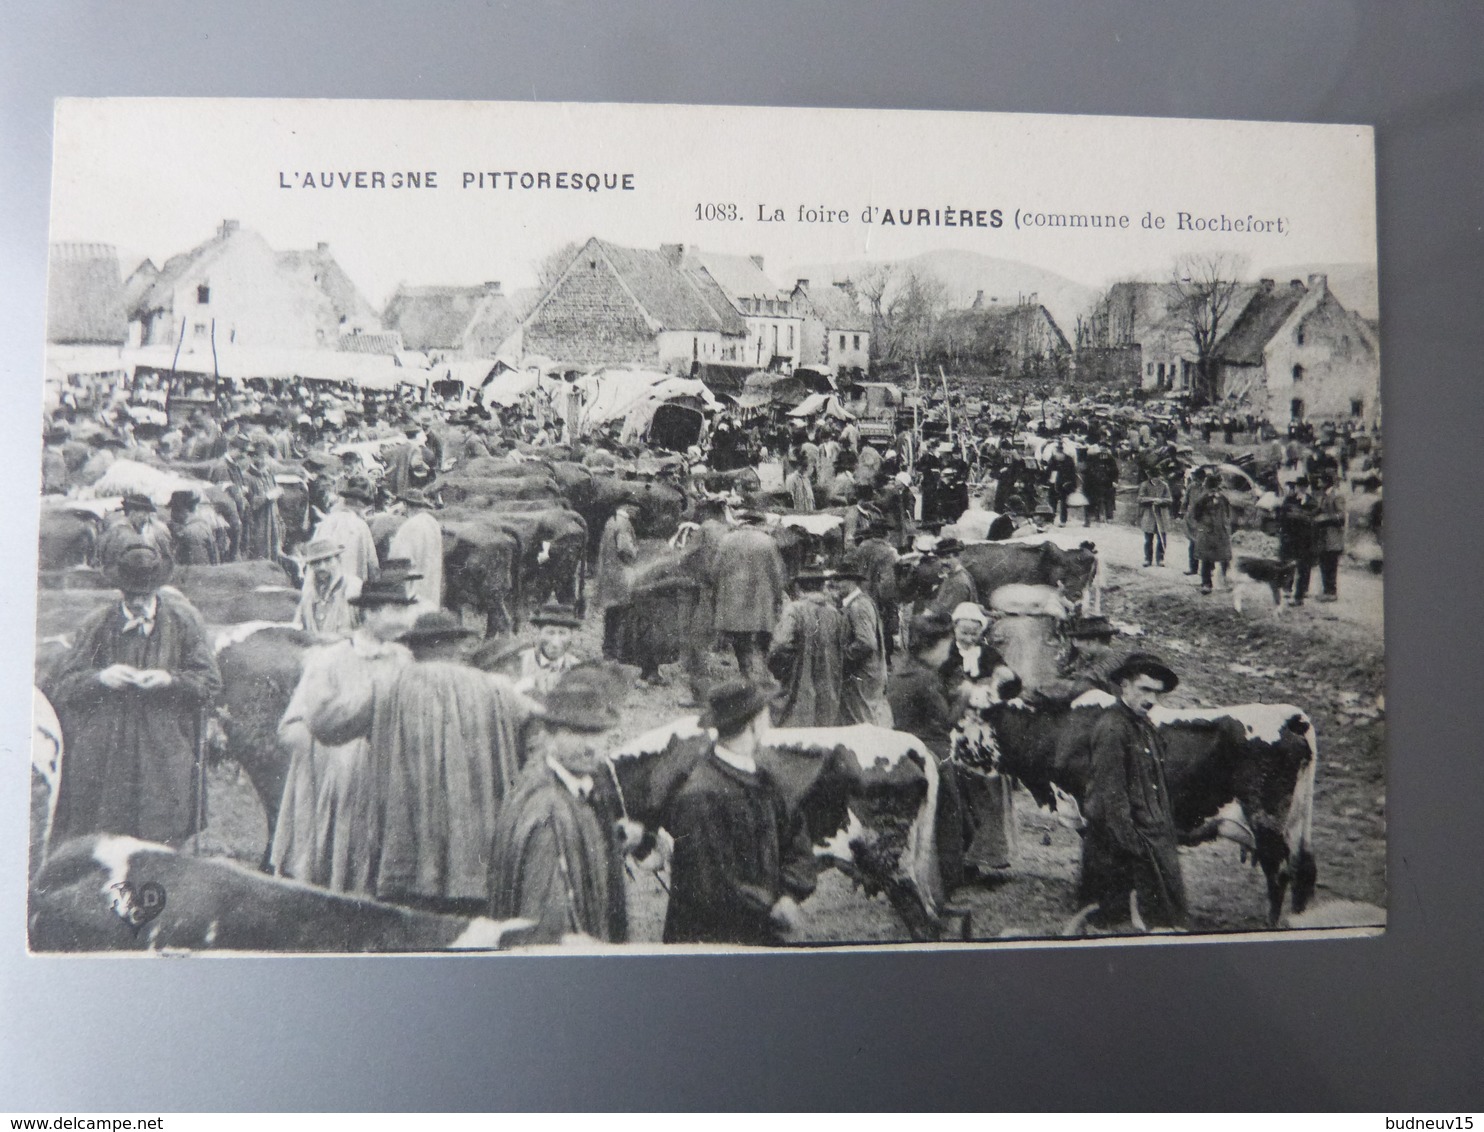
{"type": "Point", "coordinates": [836, 332]}
{"type": "Point", "coordinates": [236, 290]}
{"type": "Point", "coordinates": [1296, 353]}
{"type": "Point", "coordinates": [620, 306]}
{"type": "Point", "coordinates": [464, 322]}
{"type": "Point", "coordinates": [775, 329]}
{"type": "Point", "coordinates": [85, 296]}
{"type": "Point", "coordinates": [990, 337]}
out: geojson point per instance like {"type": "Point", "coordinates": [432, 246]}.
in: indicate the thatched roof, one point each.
{"type": "Point", "coordinates": [85, 295]}
{"type": "Point", "coordinates": [439, 318]}
{"type": "Point", "coordinates": [1267, 310]}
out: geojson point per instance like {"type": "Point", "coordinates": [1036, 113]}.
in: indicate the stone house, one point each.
{"type": "Point", "coordinates": [466, 322]}
{"type": "Point", "coordinates": [836, 331]}
{"type": "Point", "coordinates": [997, 338]}
{"type": "Point", "coordinates": [620, 306]}
{"type": "Point", "coordinates": [775, 328]}
{"type": "Point", "coordinates": [236, 289]}
{"type": "Point", "coordinates": [1297, 353]}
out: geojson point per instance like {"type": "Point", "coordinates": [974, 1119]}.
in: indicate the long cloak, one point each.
{"type": "Point", "coordinates": [446, 748]}
{"type": "Point", "coordinates": [347, 529]}
{"type": "Point", "coordinates": [420, 539]}
{"type": "Point", "coordinates": [326, 833]}
{"type": "Point", "coordinates": [750, 582]}
{"type": "Point", "coordinates": [131, 752]}
{"type": "Point", "coordinates": [807, 656]}
{"type": "Point", "coordinates": [554, 859]}
{"type": "Point", "coordinates": [863, 695]}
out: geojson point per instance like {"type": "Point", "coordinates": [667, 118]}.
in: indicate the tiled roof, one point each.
{"type": "Point", "coordinates": [437, 318]}
{"type": "Point", "coordinates": [674, 298]}
{"type": "Point", "coordinates": [1260, 319]}
{"type": "Point", "coordinates": [837, 310]}
{"type": "Point", "coordinates": [85, 295]}
{"type": "Point", "coordinates": [738, 275]}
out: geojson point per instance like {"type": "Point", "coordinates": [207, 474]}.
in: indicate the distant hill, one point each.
{"type": "Point", "coordinates": [1354, 284]}
{"type": "Point", "coordinates": [966, 273]}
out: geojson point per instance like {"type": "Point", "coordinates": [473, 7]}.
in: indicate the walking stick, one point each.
{"type": "Point", "coordinates": [200, 774]}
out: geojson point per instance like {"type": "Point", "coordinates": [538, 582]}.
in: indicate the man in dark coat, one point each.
{"type": "Point", "coordinates": [957, 585]}
{"type": "Point", "coordinates": [193, 534]}
{"type": "Point", "coordinates": [557, 852]}
{"type": "Point", "coordinates": [750, 585]}
{"type": "Point", "coordinates": [618, 549]}
{"type": "Point", "coordinates": [876, 561]}
{"type": "Point", "coordinates": [1130, 850]}
{"type": "Point", "coordinates": [742, 861]}
{"type": "Point", "coordinates": [1296, 516]}
{"type": "Point", "coordinates": [130, 694]}
{"type": "Point", "coordinates": [807, 656]}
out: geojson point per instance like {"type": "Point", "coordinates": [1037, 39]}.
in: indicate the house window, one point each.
{"type": "Point", "coordinates": [1298, 336]}
{"type": "Point", "coordinates": [200, 330]}
{"type": "Point", "coordinates": [1149, 369]}
{"type": "Point", "coordinates": [1357, 407]}
{"type": "Point", "coordinates": [790, 336]}
{"type": "Point", "coordinates": [1298, 373]}
{"type": "Point", "coordinates": [203, 293]}
{"type": "Point", "coordinates": [842, 341]}
{"type": "Point", "coordinates": [1296, 409]}
{"type": "Point", "coordinates": [857, 341]}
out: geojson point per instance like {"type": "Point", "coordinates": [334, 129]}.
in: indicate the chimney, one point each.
{"type": "Point", "coordinates": [978, 300]}
{"type": "Point", "coordinates": [227, 228]}
{"type": "Point", "coordinates": [1266, 284]}
{"type": "Point", "coordinates": [1319, 282]}
{"type": "Point", "coordinates": [673, 253]}
{"type": "Point", "coordinates": [757, 261]}
{"type": "Point", "coordinates": [1296, 283]}
{"type": "Point", "coordinates": [322, 247]}
{"type": "Point", "coordinates": [491, 286]}
{"type": "Point", "coordinates": [803, 285]}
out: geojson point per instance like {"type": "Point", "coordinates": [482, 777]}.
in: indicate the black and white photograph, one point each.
{"type": "Point", "coordinates": [601, 528]}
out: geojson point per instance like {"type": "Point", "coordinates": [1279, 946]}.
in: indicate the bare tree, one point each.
{"type": "Point", "coordinates": [1202, 294]}
{"type": "Point", "coordinates": [550, 267]}
{"type": "Point", "coordinates": [914, 309]}
{"type": "Point", "coordinates": [871, 283]}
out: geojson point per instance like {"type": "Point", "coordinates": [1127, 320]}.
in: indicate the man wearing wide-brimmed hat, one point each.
{"type": "Point", "coordinates": [420, 540]}
{"type": "Point", "coordinates": [327, 832]}
{"type": "Point", "coordinates": [807, 655]}
{"type": "Point", "coordinates": [539, 667]}
{"type": "Point", "coordinates": [863, 688]}
{"type": "Point", "coordinates": [138, 525]}
{"type": "Point", "coordinates": [556, 856]}
{"type": "Point", "coordinates": [1130, 850]}
{"type": "Point", "coordinates": [957, 585]}
{"type": "Point", "coordinates": [325, 608]}
{"type": "Point", "coordinates": [130, 694]}
{"type": "Point", "coordinates": [346, 525]}
{"type": "Point", "coordinates": [750, 590]}
{"type": "Point", "coordinates": [193, 532]}
{"type": "Point", "coordinates": [742, 861]}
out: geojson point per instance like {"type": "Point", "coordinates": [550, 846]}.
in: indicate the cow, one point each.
{"type": "Point", "coordinates": [481, 489]}
{"type": "Point", "coordinates": [68, 537]}
{"type": "Point", "coordinates": [868, 796]}
{"type": "Point", "coordinates": [110, 893]}
{"type": "Point", "coordinates": [996, 564]}
{"type": "Point", "coordinates": [482, 571]}
{"type": "Point", "coordinates": [659, 504]}
{"type": "Point", "coordinates": [552, 541]}
{"type": "Point", "coordinates": [234, 592]}
{"type": "Point", "coordinates": [744, 481]}
{"type": "Point", "coordinates": [1263, 757]}
{"type": "Point", "coordinates": [260, 670]}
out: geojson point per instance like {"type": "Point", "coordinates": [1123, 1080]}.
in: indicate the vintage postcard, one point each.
{"type": "Point", "coordinates": [521, 526]}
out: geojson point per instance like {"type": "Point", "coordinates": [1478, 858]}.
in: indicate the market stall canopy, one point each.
{"type": "Point", "coordinates": [370, 371]}
{"type": "Point", "coordinates": [822, 404]}
{"type": "Point", "coordinates": [612, 395]}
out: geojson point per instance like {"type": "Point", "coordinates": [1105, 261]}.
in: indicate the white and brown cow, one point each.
{"type": "Point", "coordinates": [868, 796]}
{"type": "Point", "coordinates": [110, 893]}
{"type": "Point", "coordinates": [1246, 772]}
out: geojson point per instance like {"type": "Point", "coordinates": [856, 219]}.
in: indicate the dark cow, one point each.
{"type": "Point", "coordinates": [552, 541]}
{"type": "Point", "coordinates": [108, 893]}
{"type": "Point", "coordinates": [482, 571]}
{"type": "Point", "coordinates": [744, 481]}
{"type": "Point", "coordinates": [474, 490]}
{"type": "Point", "coordinates": [259, 674]}
{"type": "Point", "coordinates": [233, 592]}
{"type": "Point", "coordinates": [867, 795]}
{"type": "Point", "coordinates": [659, 504]}
{"type": "Point", "coordinates": [68, 537]}
{"type": "Point", "coordinates": [996, 564]}
{"type": "Point", "coordinates": [1263, 757]}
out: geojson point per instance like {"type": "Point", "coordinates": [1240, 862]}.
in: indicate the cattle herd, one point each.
{"type": "Point", "coordinates": [522, 514]}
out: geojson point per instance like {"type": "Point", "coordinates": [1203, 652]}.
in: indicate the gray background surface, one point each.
{"type": "Point", "coordinates": [1395, 1023]}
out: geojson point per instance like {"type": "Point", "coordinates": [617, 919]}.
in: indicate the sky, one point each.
{"type": "Point", "coordinates": [156, 176]}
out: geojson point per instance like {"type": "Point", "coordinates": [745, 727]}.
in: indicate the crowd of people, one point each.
{"type": "Point", "coordinates": [434, 769]}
